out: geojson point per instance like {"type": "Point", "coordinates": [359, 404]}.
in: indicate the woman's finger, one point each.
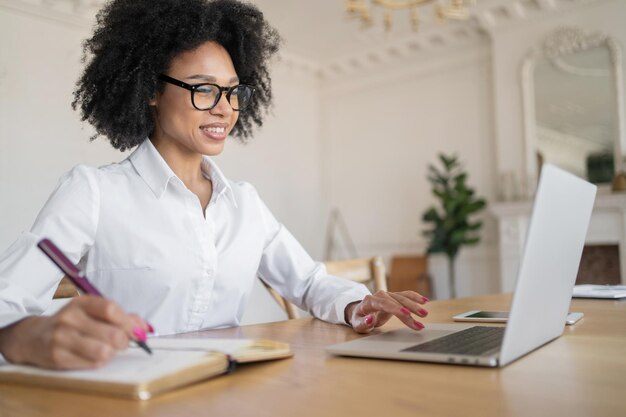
{"type": "Point", "coordinates": [144, 325]}
{"type": "Point", "coordinates": [112, 315]}
{"type": "Point", "coordinates": [88, 326]}
{"type": "Point", "coordinates": [381, 301]}
{"type": "Point", "coordinates": [409, 303]}
{"type": "Point", "coordinates": [405, 313]}
{"type": "Point", "coordinates": [65, 359]}
{"type": "Point", "coordinates": [80, 349]}
{"type": "Point", "coordinates": [100, 308]}
{"type": "Point", "coordinates": [364, 324]}
{"type": "Point", "coordinates": [413, 295]}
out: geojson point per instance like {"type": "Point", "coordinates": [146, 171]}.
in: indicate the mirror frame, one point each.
{"type": "Point", "coordinates": [563, 41]}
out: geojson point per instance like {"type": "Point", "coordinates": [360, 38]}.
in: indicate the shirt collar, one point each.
{"type": "Point", "coordinates": [157, 174]}
{"type": "Point", "coordinates": [221, 185]}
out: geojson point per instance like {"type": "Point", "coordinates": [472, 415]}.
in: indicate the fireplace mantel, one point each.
{"type": "Point", "coordinates": [608, 226]}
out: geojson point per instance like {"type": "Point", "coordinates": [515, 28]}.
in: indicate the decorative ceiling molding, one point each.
{"type": "Point", "coordinates": [495, 15]}
{"type": "Point", "coordinates": [299, 63]}
{"type": "Point", "coordinates": [488, 17]}
{"type": "Point", "coordinates": [414, 46]}
{"type": "Point", "coordinates": [567, 40]}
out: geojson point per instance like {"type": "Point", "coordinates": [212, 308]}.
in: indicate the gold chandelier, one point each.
{"type": "Point", "coordinates": [444, 10]}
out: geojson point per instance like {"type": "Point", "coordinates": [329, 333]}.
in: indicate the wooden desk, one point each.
{"type": "Point", "coordinates": [582, 373]}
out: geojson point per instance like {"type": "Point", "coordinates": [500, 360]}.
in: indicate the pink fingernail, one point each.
{"type": "Point", "coordinates": [404, 310]}
{"type": "Point", "coordinates": [418, 325]}
{"type": "Point", "coordinates": [140, 334]}
{"type": "Point", "coordinates": [150, 328]}
{"type": "Point", "coordinates": [425, 299]}
{"type": "Point", "coordinates": [369, 319]}
{"type": "Point", "coordinates": [423, 312]}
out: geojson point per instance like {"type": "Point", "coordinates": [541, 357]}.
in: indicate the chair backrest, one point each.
{"type": "Point", "coordinates": [410, 273]}
{"type": "Point", "coordinates": [364, 270]}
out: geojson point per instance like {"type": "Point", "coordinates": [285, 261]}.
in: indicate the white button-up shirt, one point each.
{"type": "Point", "coordinates": [143, 240]}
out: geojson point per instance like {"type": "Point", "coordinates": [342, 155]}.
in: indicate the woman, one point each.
{"type": "Point", "coordinates": [164, 233]}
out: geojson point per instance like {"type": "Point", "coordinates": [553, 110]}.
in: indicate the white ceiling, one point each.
{"type": "Point", "coordinates": [319, 35]}
{"type": "Point", "coordinates": [323, 31]}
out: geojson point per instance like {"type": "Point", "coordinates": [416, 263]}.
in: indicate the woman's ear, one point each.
{"type": "Point", "coordinates": [153, 101]}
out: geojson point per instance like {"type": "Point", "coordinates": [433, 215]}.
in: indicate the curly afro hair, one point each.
{"type": "Point", "coordinates": [135, 40]}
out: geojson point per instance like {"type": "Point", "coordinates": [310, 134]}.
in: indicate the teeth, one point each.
{"type": "Point", "coordinates": [214, 129]}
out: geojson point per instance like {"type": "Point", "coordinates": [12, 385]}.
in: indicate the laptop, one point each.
{"type": "Point", "coordinates": [546, 277]}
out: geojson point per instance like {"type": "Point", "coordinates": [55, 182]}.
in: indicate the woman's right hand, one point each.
{"type": "Point", "coordinates": [86, 333]}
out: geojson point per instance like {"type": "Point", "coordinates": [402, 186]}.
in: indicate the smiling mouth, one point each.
{"type": "Point", "coordinates": [218, 130]}
{"type": "Point", "coordinates": [214, 132]}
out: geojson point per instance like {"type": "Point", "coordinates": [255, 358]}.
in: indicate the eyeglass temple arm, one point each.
{"type": "Point", "coordinates": [174, 81]}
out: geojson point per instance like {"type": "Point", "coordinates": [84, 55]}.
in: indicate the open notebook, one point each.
{"type": "Point", "coordinates": [133, 373]}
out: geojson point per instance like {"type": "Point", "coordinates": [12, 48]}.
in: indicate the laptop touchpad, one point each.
{"type": "Point", "coordinates": [412, 337]}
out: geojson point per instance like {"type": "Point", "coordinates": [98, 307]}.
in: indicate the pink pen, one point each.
{"type": "Point", "coordinates": [75, 275]}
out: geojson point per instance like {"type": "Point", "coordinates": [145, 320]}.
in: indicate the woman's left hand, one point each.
{"type": "Point", "coordinates": [376, 309]}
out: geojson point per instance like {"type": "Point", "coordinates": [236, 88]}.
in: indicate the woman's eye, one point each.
{"type": "Point", "coordinates": [205, 89]}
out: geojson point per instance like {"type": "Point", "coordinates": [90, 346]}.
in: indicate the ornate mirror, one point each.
{"type": "Point", "coordinates": [574, 105]}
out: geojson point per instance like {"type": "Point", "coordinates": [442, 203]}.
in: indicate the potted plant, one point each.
{"type": "Point", "coordinates": [451, 225]}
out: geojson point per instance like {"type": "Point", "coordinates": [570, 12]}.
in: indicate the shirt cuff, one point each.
{"type": "Point", "coordinates": [6, 319]}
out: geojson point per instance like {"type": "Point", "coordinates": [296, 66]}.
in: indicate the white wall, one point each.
{"type": "Point", "coordinates": [384, 131]}
{"type": "Point", "coordinates": [40, 136]}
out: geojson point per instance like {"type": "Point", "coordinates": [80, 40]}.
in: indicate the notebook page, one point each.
{"type": "Point", "coordinates": [227, 346]}
{"type": "Point", "coordinates": [131, 366]}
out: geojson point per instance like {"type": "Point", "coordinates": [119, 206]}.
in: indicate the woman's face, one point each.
{"type": "Point", "coordinates": [178, 122]}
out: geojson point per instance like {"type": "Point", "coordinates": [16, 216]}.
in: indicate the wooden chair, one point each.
{"type": "Point", "coordinates": [290, 309]}
{"type": "Point", "coordinates": [410, 273]}
{"type": "Point", "coordinates": [369, 271]}
{"type": "Point", "coordinates": [66, 289]}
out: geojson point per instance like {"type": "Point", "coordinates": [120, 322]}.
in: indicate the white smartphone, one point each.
{"type": "Point", "coordinates": [503, 316]}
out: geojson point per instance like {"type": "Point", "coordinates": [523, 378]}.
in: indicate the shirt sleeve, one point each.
{"type": "Point", "coordinates": [288, 269]}
{"type": "Point", "coordinates": [28, 279]}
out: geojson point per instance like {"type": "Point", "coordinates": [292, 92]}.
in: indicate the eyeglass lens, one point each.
{"type": "Point", "coordinates": [206, 97]}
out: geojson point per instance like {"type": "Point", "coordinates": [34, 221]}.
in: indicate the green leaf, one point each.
{"type": "Point", "coordinates": [475, 226]}
{"type": "Point", "coordinates": [472, 241]}
{"type": "Point", "coordinates": [431, 215]}
{"type": "Point", "coordinates": [459, 180]}
{"type": "Point", "coordinates": [448, 162]}
{"type": "Point", "coordinates": [476, 206]}
{"type": "Point", "coordinates": [439, 193]}
{"type": "Point", "coordinates": [457, 237]}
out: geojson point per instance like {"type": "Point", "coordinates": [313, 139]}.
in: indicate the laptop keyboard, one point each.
{"type": "Point", "coordinates": [477, 340]}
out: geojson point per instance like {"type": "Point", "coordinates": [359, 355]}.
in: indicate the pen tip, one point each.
{"type": "Point", "coordinates": [144, 346]}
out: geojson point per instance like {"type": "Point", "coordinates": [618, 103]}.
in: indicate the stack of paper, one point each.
{"type": "Point", "coordinates": [600, 291]}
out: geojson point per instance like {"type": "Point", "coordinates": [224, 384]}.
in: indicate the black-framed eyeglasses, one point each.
{"type": "Point", "coordinates": [205, 96]}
